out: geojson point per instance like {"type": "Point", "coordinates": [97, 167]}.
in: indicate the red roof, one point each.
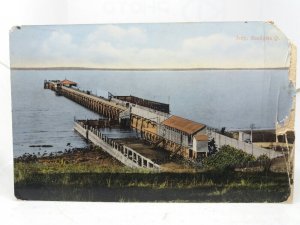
{"type": "Point", "coordinates": [68, 82]}
{"type": "Point", "coordinates": [201, 137]}
{"type": "Point", "coordinates": [182, 124]}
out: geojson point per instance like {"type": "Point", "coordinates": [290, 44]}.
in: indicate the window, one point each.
{"type": "Point", "coordinates": [190, 139]}
{"type": "Point", "coordinates": [190, 153]}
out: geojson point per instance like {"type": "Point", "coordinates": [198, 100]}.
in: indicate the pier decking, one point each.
{"type": "Point", "coordinates": [121, 152]}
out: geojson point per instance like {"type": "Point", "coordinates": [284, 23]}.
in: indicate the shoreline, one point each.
{"type": "Point", "coordinates": [89, 155]}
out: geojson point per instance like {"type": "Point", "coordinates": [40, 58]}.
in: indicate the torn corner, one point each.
{"type": "Point", "coordinates": [288, 125]}
{"type": "Point", "coordinates": [15, 28]}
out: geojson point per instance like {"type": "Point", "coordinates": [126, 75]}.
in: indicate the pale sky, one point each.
{"type": "Point", "coordinates": [176, 45]}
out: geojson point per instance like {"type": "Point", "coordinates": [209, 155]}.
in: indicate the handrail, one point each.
{"type": "Point", "coordinates": [136, 157]}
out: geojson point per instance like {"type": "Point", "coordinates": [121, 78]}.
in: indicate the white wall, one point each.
{"type": "Point", "coordinates": [175, 135]}
{"type": "Point", "coordinates": [244, 136]}
{"type": "Point", "coordinates": [256, 151]}
{"type": "Point", "coordinates": [200, 146]}
{"type": "Point", "coordinates": [172, 135]}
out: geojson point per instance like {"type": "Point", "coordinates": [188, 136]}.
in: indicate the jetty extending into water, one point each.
{"type": "Point", "coordinates": [155, 125]}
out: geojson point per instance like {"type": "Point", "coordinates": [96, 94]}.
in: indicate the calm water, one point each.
{"type": "Point", "coordinates": [233, 99]}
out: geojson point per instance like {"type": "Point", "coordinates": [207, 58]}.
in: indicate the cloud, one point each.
{"type": "Point", "coordinates": [117, 33]}
{"type": "Point", "coordinates": [209, 43]}
{"type": "Point", "coordinates": [223, 50]}
{"type": "Point", "coordinates": [58, 49]}
{"type": "Point", "coordinates": [132, 47]}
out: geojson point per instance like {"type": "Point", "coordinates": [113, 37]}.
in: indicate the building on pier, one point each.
{"type": "Point", "coordinates": [68, 83]}
{"type": "Point", "coordinates": [200, 146]}
{"type": "Point", "coordinates": [185, 133]}
{"type": "Point", "coordinates": [180, 130]}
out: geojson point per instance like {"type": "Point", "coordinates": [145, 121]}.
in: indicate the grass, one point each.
{"type": "Point", "coordinates": [90, 182]}
{"type": "Point", "coordinates": [92, 175]}
{"type": "Point", "coordinates": [23, 170]}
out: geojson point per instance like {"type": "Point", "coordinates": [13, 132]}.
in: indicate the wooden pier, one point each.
{"type": "Point", "coordinates": [99, 105]}
{"type": "Point", "coordinates": [156, 125]}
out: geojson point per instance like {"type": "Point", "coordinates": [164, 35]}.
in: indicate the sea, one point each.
{"type": "Point", "coordinates": [233, 99]}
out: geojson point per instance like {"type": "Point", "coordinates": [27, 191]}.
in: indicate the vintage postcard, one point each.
{"type": "Point", "coordinates": [171, 112]}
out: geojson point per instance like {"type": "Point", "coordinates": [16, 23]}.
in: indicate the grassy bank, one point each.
{"type": "Point", "coordinates": [92, 175]}
{"type": "Point", "coordinates": [129, 185]}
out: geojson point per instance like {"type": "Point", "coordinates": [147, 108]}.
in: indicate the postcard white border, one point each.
{"type": "Point", "coordinates": [285, 15]}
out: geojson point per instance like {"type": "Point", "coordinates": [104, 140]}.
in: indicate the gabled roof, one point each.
{"type": "Point", "coordinates": [201, 137]}
{"type": "Point", "coordinates": [68, 82]}
{"type": "Point", "coordinates": [184, 125]}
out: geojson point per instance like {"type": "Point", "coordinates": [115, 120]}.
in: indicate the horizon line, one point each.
{"type": "Point", "coordinates": [146, 69]}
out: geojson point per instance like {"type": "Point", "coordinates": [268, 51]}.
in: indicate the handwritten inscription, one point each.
{"type": "Point", "coordinates": [256, 38]}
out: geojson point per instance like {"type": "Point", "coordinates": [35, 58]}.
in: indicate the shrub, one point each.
{"type": "Point", "coordinates": [264, 161]}
{"type": "Point", "coordinates": [212, 148]}
{"type": "Point", "coordinates": [227, 158]}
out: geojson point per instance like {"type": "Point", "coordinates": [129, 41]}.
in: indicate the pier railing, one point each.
{"type": "Point", "coordinates": [147, 113]}
{"type": "Point", "coordinates": [121, 152]}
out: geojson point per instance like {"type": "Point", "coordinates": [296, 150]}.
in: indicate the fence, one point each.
{"type": "Point", "coordinates": [249, 148]}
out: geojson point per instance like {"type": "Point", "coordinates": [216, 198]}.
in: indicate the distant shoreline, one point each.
{"type": "Point", "coordinates": [140, 69]}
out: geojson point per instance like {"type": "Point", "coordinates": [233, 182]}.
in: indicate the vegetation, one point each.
{"type": "Point", "coordinates": [92, 183]}
{"type": "Point", "coordinates": [204, 187]}
{"type": "Point", "coordinates": [265, 162]}
{"type": "Point", "coordinates": [212, 148]}
{"type": "Point", "coordinates": [226, 133]}
{"type": "Point", "coordinates": [36, 174]}
{"type": "Point", "coordinates": [227, 158]}
{"type": "Point", "coordinates": [98, 178]}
